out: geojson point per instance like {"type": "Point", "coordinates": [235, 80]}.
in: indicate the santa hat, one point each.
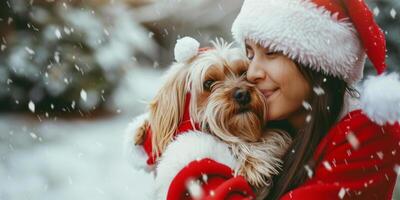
{"type": "Point", "coordinates": [331, 36]}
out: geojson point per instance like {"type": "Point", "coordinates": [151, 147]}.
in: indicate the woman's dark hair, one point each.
{"type": "Point", "coordinates": [326, 107]}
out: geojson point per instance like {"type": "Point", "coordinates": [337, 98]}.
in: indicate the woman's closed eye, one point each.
{"type": "Point", "coordinates": [272, 53]}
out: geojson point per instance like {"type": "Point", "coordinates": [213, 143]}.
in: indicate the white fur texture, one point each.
{"type": "Point", "coordinates": [185, 49]}
{"type": "Point", "coordinates": [190, 146]}
{"type": "Point", "coordinates": [304, 32]}
{"type": "Point", "coordinates": [380, 98]}
{"type": "Point", "coordinates": [135, 153]}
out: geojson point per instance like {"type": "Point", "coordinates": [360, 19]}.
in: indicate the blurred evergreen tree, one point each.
{"type": "Point", "coordinates": [65, 55]}
{"type": "Point", "coordinates": [388, 18]}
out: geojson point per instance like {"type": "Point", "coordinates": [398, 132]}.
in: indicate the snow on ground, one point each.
{"type": "Point", "coordinates": [67, 160]}
{"type": "Point", "coordinates": [76, 159]}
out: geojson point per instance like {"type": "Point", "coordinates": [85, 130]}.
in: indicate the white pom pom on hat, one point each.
{"type": "Point", "coordinates": [380, 98]}
{"type": "Point", "coordinates": [185, 49]}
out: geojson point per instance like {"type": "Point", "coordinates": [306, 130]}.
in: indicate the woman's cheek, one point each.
{"type": "Point", "coordinates": [279, 108]}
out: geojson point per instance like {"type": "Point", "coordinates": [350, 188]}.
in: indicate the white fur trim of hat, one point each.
{"type": "Point", "coordinates": [314, 34]}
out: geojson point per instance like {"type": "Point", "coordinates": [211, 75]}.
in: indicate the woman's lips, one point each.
{"type": "Point", "coordinates": [268, 93]}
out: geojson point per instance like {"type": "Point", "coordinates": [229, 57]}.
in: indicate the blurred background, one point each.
{"type": "Point", "coordinates": [73, 73]}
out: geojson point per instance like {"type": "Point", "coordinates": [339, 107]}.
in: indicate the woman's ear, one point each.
{"type": "Point", "coordinates": [167, 107]}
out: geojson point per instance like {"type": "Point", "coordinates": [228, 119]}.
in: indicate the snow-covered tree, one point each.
{"type": "Point", "coordinates": [66, 55]}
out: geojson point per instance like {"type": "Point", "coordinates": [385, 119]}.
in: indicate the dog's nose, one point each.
{"type": "Point", "coordinates": [242, 96]}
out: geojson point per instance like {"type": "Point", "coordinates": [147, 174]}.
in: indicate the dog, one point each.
{"type": "Point", "coordinates": [222, 103]}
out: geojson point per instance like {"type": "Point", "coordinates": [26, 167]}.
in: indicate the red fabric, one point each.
{"type": "Point", "coordinates": [366, 172]}
{"type": "Point", "coordinates": [372, 37]}
{"type": "Point", "coordinates": [184, 126]}
{"type": "Point", "coordinates": [219, 184]}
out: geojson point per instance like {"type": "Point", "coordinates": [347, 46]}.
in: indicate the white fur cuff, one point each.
{"type": "Point", "coordinates": [188, 147]}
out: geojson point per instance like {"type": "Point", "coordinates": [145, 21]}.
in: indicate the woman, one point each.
{"type": "Point", "coordinates": [305, 56]}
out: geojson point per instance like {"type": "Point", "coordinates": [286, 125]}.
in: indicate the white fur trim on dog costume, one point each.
{"type": "Point", "coordinates": [135, 153]}
{"type": "Point", "coordinates": [304, 32]}
{"type": "Point", "coordinates": [185, 49]}
{"type": "Point", "coordinates": [380, 98]}
{"type": "Point", "coordinates": [188, 147]}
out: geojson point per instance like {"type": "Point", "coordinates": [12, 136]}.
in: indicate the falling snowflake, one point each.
{"type": "Point", "coordinates": [57, 56]}
{"type": "Point", "coordinates": [380, 155]}
{"type": "Point", "coordinates": [327, 165]}
{"type": "Point", "coordinates": [353, 140]}
{"type": "Point", "coordinates": [307, 105]}
{"type": "Point", "coordinates": [83, 95]}
{"type": "Point", "coordinates": [66, 30]}
{"type": "Point", "coordinates": [31, 106]}
{"type": "Point", "coordinates": [204, 177]}
{"type": "Point", "coordinates": [3, 47]}
{"type": "Point", "coordinates": [308, 118]}
{"type": "Point", "coordinates": [393, 13]}
{"type": "Point", "coordinates": [212, 193]}
{"type": "Point", "coordinates": [342, 192]}
{"type": "Point", "coordinates": [29, 50]}
{"type": "Point", "coordinates": [194, 188]}
{"type": "Point", "coordinates": [309, 171]}
{"type": "Point", "coordinates": [106, 32]}
{"type": "Point", "coordinates": [58, 34]}
{"type": "Point", "coordinates": [33, 135]}
{"type": "Point", "coordinates": [319, 91]}
{"type": "Point", "coordinates": [376, 11]}
{"type": "Point", "coordinates": [9, 81]}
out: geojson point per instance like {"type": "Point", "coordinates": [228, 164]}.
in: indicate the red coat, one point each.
{"type": "Point", "coordinates": [359, 159]}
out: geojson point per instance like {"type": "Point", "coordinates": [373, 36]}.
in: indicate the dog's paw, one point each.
{"type": "Point", "coordinates": [250, 170]}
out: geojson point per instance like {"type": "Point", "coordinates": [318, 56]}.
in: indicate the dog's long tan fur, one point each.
{"type": "Point", "coordinates": [166, 109]}
{"type": "Point", "coordinates": [257, 150]}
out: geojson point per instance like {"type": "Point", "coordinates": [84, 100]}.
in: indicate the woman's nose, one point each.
{"type": "Point", "coordinates": [255, 72]}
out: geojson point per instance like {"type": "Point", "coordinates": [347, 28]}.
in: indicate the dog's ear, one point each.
{"type": "Point", "coordinates": [167, 108]}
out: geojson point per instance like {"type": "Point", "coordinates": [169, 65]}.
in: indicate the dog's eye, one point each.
{"type": "Point", "coordinates": [208, 84]}
{"type": "Point", "coordinates": [243, 73]}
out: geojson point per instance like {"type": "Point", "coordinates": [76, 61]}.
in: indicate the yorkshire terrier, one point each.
{"type": "Point", "coordinates": [223, 104]}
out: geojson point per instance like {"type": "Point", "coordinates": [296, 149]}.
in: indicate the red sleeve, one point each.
{"type": "Point", "coordinates": [215, 180]}
{"type": "Point", "coordinates": [358, 159]}
{"type": "Point", "coordinates": [199, 166]}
